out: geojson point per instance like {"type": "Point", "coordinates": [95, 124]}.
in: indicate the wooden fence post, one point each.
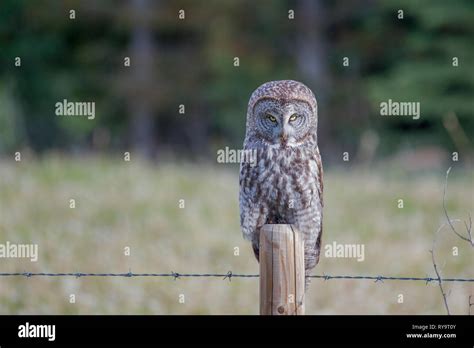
{"type": "Point", "coordinates": [282, 276]}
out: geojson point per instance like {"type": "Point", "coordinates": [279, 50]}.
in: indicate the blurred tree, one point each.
{"type": "Point", "coordinates": [312, 59]}
{"type": "Point", "coordinates": [143, 60]}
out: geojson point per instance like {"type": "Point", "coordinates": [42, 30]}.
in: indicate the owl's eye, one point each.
{"type": "Point", "coordinates": [293, 117]}
{"type": "Point", "coordinates": [271, 118]}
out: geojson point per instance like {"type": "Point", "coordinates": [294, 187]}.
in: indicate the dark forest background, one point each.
{"type": "Point", "coordinates": [191, 62]}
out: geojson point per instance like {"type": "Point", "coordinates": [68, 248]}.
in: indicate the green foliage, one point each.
{"type": "Point", "coordinates": [417, 64]}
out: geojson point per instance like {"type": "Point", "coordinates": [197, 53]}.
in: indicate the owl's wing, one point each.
{"type": "Point", "coordinates": [320, 176]}
{"type": "Point", "coordinates": [248, 196]}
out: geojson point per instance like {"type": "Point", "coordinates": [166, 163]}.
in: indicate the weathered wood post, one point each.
{"type": "Point", "coordinates": [282, 276]}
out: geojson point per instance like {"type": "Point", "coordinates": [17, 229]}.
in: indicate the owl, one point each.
{"type": "Point", "coordinates": [284, 185]}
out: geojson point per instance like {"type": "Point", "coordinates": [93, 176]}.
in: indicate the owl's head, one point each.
{"type": "Point", "coordinates": [282, 113]}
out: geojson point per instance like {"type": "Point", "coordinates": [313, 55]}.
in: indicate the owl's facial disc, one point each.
{"type": "Point", "coordinates": [282, 124]}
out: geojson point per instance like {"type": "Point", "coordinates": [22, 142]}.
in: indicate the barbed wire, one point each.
{"type": "Point", "coordinates": [229, 275]}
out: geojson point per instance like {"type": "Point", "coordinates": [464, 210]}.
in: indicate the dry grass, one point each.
{"type": "Point", "coordinates": [136, 204]}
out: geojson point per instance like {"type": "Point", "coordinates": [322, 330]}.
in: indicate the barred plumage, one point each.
{"type": "Point", "coordinates": [286, 184]}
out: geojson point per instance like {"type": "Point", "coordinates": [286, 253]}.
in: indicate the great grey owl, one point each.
{"type": "Point", "coordinates": [285, 183]}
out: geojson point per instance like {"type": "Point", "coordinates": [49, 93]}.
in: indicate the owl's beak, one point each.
{"type": "Point", "coordinates": [284, 137]}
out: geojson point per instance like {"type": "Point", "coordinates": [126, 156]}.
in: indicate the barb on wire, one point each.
{"type": "Point", "coordinates": [229, 276]}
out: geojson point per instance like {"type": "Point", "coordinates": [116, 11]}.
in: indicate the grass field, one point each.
{"type": "Point", "coordinates": [136, 204]}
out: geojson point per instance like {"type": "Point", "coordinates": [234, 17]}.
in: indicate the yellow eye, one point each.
{"type": "Point", "coordinates": [293, 117]}
{"type": "Point", "coordinates": [271, 118]}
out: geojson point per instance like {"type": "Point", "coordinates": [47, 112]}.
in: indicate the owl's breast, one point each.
{"type": "Point", "coordinates": [285, 179]}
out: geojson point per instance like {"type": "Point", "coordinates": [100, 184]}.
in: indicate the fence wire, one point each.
{"type": "Point", "coordinates": [227, 276]}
